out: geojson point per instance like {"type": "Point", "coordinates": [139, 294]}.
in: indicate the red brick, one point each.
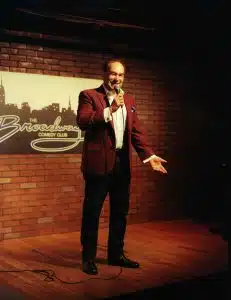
{"type": "Point", "coordinates": [37, 178]}
{"type": "Point", "coordinates": [52, 213]}
{"type": "Point", "coordinates": [26, 209]}
{"type": "Point", "coordinates": [27, 52]}
{"type": "Point", "coordinates": [6, 230]}
{"type": "Point", "coordinates": [18, 57]}
{"type": "Point", "coordinates": [51, 61]}
{"type": "Point", "coordinates": [27, 173]}
{"type": "Point", "coordinates": [11, 236]}
{"type": "Point", "coordinates": [49, 72]}
{"type": "Point", "coordinates": [11, 223]}
{"type": "Point", "coordinates": [10, 211]}
{"type": "Point", "coordinates": [43, 66]}
{"type": "Point", "coordinates": [28, 221]}
{"type": "Point", "coordinates": [4, 68]}
{"type": "Point", "coordinates": [21, 228]}
{"type": "Point", "coordinates": [8, 63]}
{"type": "Point", "coordinates": [44, 54]}
{"type": "Point", "coordinates": [11, 186]}
{"type": "Point", "coordinates": [28, 65]}
{"type": "Point", "coordinates": [60, 218]}
{"type": "Point", "coordinates": [67, 63]}
{"type": "Point", "coordinates": [10, 173]}
{"type": "Point", "coordinates": [73, 69]}
{"type": "Point", "coordinates": [35, 59]}
{"type": "Point", "coordinates": [4, 56]}
{"type": "Point", "coordinates": [34, 71]}
{"type": "Point", "coordinates": [20, 203]}
{"type": "Point", "coordinates": [20, 70]}
{"type": "Point", "coordinates": [29, 233]}
{"type": "Point", "coordinates": [45, 220]}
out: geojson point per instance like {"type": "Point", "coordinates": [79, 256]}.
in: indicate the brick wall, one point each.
{"type": "Point", "coordinates": [43, 193]}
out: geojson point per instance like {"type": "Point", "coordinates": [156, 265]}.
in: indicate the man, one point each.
{"type": "Point", "coordinates": [108, 117]}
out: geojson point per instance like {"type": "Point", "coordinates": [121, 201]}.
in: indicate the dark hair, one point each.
{"type": "Point", "coordinates": [108, 62]}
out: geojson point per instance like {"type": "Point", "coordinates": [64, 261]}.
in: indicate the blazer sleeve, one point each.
{"type": "Point", "coordinates": [88, 114]}
{"type": "Point", "coordinates": [138, 138]}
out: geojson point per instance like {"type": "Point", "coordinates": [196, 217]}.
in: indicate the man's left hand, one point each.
{"type": "Point", "coordinates": [156, 164]}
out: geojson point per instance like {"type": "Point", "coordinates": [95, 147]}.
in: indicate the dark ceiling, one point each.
{"type": "Point", "coordinates": [134, 27]}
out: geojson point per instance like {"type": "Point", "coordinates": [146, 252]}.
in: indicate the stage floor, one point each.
{"type": "Point", "coordinates": [168, 252]}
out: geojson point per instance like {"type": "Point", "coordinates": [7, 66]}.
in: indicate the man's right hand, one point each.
{"type": "Point", "coordinates": [116, 103]}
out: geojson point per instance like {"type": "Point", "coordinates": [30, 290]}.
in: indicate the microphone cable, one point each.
{"type": "Point", "coordinates": [50, 274]}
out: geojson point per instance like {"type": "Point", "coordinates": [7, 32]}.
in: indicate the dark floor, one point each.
{"type": "Point", "coordinates": [215, 285]}
{"type": "Point", "coordinates": [6, 293]}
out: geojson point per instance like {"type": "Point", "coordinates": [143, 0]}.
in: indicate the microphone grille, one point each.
{"type": "Point", "coordinates": [117, 88]}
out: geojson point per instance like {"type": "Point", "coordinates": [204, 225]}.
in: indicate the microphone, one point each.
{"type": "Point", "coordinates": [117, 88]}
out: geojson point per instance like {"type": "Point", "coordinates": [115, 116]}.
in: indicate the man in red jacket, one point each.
{"type": "Point", "coordinates": [108, 117]}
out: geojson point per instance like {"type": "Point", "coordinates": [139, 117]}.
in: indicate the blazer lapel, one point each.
{"type": "Point", "coordinates": [104, 102]}
{"type": "Point", "coordinates": [128, 109]}
{"type": "Point", "coordinates": [102, 96]}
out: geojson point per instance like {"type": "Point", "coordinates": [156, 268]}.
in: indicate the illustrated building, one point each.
{"type": "Point", "coordinates": [2, 94]}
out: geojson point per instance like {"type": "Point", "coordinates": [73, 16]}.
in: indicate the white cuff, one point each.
{"type": "Point", "coordinates": [107, 114]}
{"type": "Point", "coordinates": [147, 159]}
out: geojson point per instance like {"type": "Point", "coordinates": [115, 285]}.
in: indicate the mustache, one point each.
{"type": "Point", "coordinates": [115, 82]}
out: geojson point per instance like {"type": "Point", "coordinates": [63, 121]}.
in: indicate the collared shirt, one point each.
{"type": "Point", "coordinates": [119, 121]}
{"type": "Point", "coordinates": [118, 118]}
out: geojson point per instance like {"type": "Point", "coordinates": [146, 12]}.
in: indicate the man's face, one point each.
{"type": "Point", "coordinates": [114, 75]}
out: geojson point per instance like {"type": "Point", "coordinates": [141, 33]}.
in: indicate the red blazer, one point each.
{"type": "Point", "coordinates": [98, 155]}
